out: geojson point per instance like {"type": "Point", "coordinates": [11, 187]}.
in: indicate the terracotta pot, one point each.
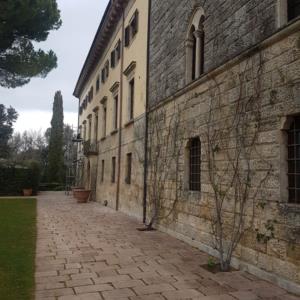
{"type": "Point", "coordinates": [27, 192]}
{"type": "Point", "coordinates": [82, 195]}
{"type": "Point", "coordinates": [75, 188]}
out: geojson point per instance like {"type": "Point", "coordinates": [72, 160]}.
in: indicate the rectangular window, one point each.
{"type": "Point", "coordinates": [104, 121]}
{"type": "Point", "coordinates": [102, 170]}
{"type": "Point", "coordinates": [293, 9]}
{"type": "Point", "coordinates": [113, 169]}
{"type": "Point", "coordinates": [84, 131]}
{"type": "Point", "coordinates": [134, 23]}
{"type": "Point", "coordinates": [127, 36]}
{"type": "Point", "coordinates": [116, 104]}
{"type": "Point", "coordinates": [118, 50]}
{"type": "Point", "coordinates": [106, 69]}
{"type": "Point", "coordinates": [90, 129]}
{"type": "Point", "coordinates": [96, 127]}
{"type": "Point", "coordinates": [103, 75]}
{"type": "Point", "coordinates": [113, 59]}
{"type": "Point", "coordinates": [98, 83]}
{"type": "Point", "coordinates": [132, 29]}
{"type": "Point", "coordinates": [128, 168]}
{"type": "Point", "coordinates": [294, 161]}
{"type": "Point", "coordinates": [195, 164]}
{"type": "Point", "coordinates": [131, 99]}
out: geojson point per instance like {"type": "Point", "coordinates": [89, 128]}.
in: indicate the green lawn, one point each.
{"type": "Point", "coordinates": [17, 248]}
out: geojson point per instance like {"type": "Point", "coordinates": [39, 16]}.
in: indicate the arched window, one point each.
{"type": "Point", "coordinates": [195, 164]}
{"type": "Point", "coordinates": [293, 9]}
{"type": "Point", "coordinates": [287, 10]}
{"type": "Point", "coordinates": [195, 46]}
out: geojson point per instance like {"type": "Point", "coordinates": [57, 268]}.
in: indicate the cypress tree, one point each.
{"type": "Point", "coordinates": [55, 156]}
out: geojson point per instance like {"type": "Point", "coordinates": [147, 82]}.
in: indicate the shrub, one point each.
{"type": "Point", "coordinates": [14, 178]}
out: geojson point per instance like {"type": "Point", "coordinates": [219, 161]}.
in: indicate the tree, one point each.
{"type": "Point", "coordinates": [163, 155]}
{"type": "Point", "coordinates": [7, 118]}
{"type": "Point", "coordinates": [23, 22]}
{"type": "Point", "coordinates": [232, 148]}
{"type": "Point", "coordinates": [55, 156]}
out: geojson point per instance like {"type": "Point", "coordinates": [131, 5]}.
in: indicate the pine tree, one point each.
{"type": "Point", "coordinates": [55, 156]}
{"type": "Point", "coordinates": [23, 24]}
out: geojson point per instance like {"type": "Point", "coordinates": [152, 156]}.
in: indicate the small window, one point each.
{"type": "Point", "coordinates": [132, 29]}
{"type": "Point", "coordinates": [118, 50]}
{"type": "Point", "coordinates": [106, 69]}
{"type": "Point", "coordinates": [98, 83]}
{"type": "Point", "coordinates": [131, 99]}
{"type": "Point", "coordinates": [113, 59]}
{"type": "Point", "coordinates": [127, 36]}
{"type": "Point", "coordinates": [102, 170]}
{"type": "Point", "coordinates": [103, 75]}
{"type": "Point", "coordinates": [91, 94]}
{"type": "Point", "coordinates": [96, 126]}
{"type": "Point", "coordinates": [90, 129]}
{"type": "Point", "coordinates": [113, 169]}
{"type": "Point", "coordinates": [104, 120]}
{"type": "Point", "coordinates": [128, 168]}
{"type": "Point", "coordinates": [134, 23]}
{"type": "Point", "coordinates": [195, 164]}
{"type": "Point", "coordinates": [293, 9]}
{"type": "Point", "coordinates": [294, 161]}
{"type": "Point", "coordinates": [116, 104]}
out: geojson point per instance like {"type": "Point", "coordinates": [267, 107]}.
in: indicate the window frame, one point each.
{"type": "Point", "coordinates": [293, 160]}
{"type": "Point", "coordinates": [128, 177]}
{"type": "Point", "coordinates": [194, 181]}
{"type": "Point", "coordinates": [131, 96]}
{"type": "Point", "coordinates": [102, 170]}
{"type": "Point", "coordinates": [113, 169]}
{"type": "Point", "coordinates": [116, 111]}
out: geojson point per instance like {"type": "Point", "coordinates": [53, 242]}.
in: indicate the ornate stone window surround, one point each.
{"type": "Point", "coordinates": [115, 95]}
{"type": "Point", "coordinates": [130, 74]}
{"type": "Point", "coordinates": [104, 116]}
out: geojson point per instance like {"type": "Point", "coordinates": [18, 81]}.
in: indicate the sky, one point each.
{"type": "Point", "coordinates": [71, 44]}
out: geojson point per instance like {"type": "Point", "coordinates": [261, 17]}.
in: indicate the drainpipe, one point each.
{"type": "Point", "coordinates": [146, 118]}
{"type": "Point", "coordinates": [121, 112]}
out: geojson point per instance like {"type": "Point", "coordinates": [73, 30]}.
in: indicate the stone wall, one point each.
{"type": "Point", "coordinates": [266, 79]}
{"type": "Point", "coordinates": [230, 27]}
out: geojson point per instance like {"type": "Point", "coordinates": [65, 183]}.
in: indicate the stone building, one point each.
{"type": "Point", "coordinates": [224, 90]}
{"type": "Point", "coordinates": [217, 106]}
{"type": "Point", "coordinates": [111, 91]}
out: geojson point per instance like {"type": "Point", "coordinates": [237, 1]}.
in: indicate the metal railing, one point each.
{"type": "Point", "coordinates": [90, 148]}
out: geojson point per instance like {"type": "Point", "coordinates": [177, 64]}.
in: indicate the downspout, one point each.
{"type": "Point", "coordinates": [146, 117]}
{"type": "Point", "coordinates": [121, 112]}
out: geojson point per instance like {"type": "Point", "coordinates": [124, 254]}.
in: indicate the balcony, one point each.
{"type": "Point", "coordinates": [90, 148]}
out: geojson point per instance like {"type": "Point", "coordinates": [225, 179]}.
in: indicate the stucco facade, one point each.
{"type": "Point", "coordinates": [108, 124]}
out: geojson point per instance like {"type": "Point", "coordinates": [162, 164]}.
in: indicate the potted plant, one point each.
{"type": "Point", "coordinates": [82, 195]}
{"type": "Point", "coordinates": [27, 192]}
{"type": "Point", "coordinates": [27, 184]}
{"type": "Point", "coordinates": [76, 188]}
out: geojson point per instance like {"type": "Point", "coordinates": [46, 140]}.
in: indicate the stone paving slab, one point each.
{"type": "Point", "coordinates": [87, 251]}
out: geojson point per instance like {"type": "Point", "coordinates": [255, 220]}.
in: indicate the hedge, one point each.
{"type": "Point", "coordinates": [13, 179]}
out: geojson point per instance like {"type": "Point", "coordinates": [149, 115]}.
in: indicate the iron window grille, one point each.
{"type": "Point", "coordinates": [195, 164]}
{"type": "Point", "coordinates": [294, 161]}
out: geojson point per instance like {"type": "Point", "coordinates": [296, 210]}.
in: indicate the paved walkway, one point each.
{"type": "Point", "coordinates": [86, 251]}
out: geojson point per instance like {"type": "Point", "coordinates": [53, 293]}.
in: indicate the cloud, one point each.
{"type": "Point", "coordinates": [40, 120]}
